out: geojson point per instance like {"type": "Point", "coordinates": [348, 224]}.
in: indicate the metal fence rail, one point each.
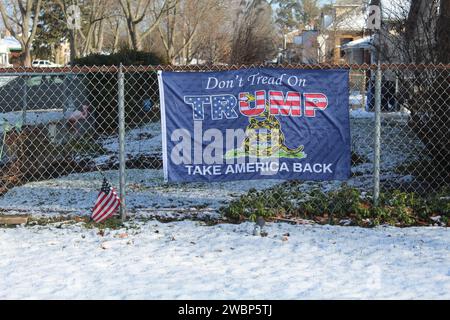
{"type": "Point", "coordinates": [57, 122]}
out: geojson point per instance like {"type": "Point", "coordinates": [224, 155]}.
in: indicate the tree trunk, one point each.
{"type": "Point", "coordinates": [134, 36]}
{"type": "Point", "coordinates": [116, 38]}
{"type": "Point", "coordinates": [100, 36]}
{"type": "Point", "coordinates": [73, 46]}
{"type": "Point", "coordinates": [26, 57]}
{"type": "Point", "coordinates": [443, 32]}
{"type": "Point", "coordinates": [411, 29]}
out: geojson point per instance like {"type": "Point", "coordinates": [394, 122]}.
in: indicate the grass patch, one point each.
{"type": "Point", "coordinates": [114, 223]}
{"type": "Point", "coordinates": [358, 159]}
{"type": "Point", "coordinates": [286, 201]}
{"type": "Point", "coordinates": [111, 223]}
{"type": "Point", "coordinates": [85, 146]}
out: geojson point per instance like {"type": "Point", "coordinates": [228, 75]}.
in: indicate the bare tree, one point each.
{"type": "Point", "coordinates": [213, 39]}
{"type": "Point", "coordinates": [64, 5]}
{"type": "Point", "coordinates": [420, 30]}
{"type": "Point", "coordinates": [115, 25]}
{"type": "Point", "coordinates": [137, 14]}
{"type": "Point", "coordinates": [92, 35]}
{"type": "Point", "coordinates": [167, 29]}
{"type": "Point", "coordinates": [181, 24]}
{"type": "Point", "coordinates": [21, 19]}
{"type": "Point", "coordinates": [88, 38]}
{"type": "Point", "coordinates": [416, 31]}
{"type": "Point", "coordinates": [254, 37]}
{"type": "Point", "coordinates": [443, 32]}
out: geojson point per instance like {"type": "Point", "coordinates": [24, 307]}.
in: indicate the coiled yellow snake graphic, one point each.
{"type": "Point", "coordinates": [269, 143]}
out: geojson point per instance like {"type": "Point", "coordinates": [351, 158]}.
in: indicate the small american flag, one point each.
{"type": "Point", "coordinates": [107, 203]}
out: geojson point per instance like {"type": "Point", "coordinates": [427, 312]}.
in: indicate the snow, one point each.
{"type": "Point", "coordinates": [361, 113]}
{"type": "Point", "coordinates": [356, 99]}
{"type": "Point", "coordinates": [189, 260]}
{"type": "Point", "coordinates": [34, 117]}
{"type": "Point", "coordinates": [5, 80]}
{"type": "Point", "coordinates": [141, 140]}
{"type": "Point", "coordinates": [362, 43]}
{"type": "Point", "coordinates": [147, 195]}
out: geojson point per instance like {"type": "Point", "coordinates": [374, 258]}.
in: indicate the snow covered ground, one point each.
{"type": "Point", "coordinates": [34, 117]}
{"type": "Point", "coordinates": [188, 260]}
{"type": "Point", "coordinates": [361, 113]}
{"type": "Point", "coordinates": [356, 99]}
{"type": "Point", "coordinates": [398, 143]}
{"type": "Point", "coordinates": [148, 195]}
{"type": "Point", "coordinates": [145, 139]}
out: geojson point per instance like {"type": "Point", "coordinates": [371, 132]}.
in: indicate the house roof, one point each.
{"type": "Point", "coordinates": [355, 19]}
{"type": "Point", "coordinates": [10, 43]}
{"type": "Point", "coordinates": [363, 43]}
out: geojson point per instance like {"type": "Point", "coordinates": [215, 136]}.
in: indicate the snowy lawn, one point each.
{"type": "Point", "coordinates": [35, 117]}
{"type": "Point", "coordinates": [141, 140]}
{"type": "Point", "coordinates": [147, 195]}
{"type": "Point", "coordinates": [188, 260]}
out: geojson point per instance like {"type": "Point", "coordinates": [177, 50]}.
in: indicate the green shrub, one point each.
{"type": "Point", "coordinates": [85, 146]}
{"type": "Point", "coordinates": [126, 57]}
{"type": "Point", "coordinates": [396, 207]}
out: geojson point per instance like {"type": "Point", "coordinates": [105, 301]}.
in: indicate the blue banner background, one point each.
{"type": "Point", "coordinates": [326, 137]}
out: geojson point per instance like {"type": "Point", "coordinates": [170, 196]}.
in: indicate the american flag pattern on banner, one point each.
{"type": "Point", "coordinates": [107, 203]}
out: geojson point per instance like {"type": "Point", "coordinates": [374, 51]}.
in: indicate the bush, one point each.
{"type": "Point", "coordinates": [286, 201]}
{"type": "Point", "coordinates": [140, 88]}
{"type": "Point", "coordinates": [126, 57]}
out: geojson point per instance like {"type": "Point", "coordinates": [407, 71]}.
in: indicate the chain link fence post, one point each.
{"type": "Point", "coordinates": [121, 89]}
{"type": "Point", "coordinates": [377, 138]}
{"type": "Point", "coordinates": [24, 100]}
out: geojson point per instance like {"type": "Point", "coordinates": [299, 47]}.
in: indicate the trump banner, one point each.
{"type": "Point", "coordinates": [258, 123]}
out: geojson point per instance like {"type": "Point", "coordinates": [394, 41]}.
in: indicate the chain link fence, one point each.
{"type": "Point", "coordinates": [60, 128]}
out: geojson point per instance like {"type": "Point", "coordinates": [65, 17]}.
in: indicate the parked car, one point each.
{"type": "Point", "coordinates": [44, 64]}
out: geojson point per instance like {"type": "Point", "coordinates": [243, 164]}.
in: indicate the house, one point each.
{"type": "Point", "coordinates": [342, 37]}
{"type": "Point", "coordinates": [301, 46]}
{"type": "Point", "coordinates": [346, 39]}
{"type": "Point", "coordinates": [344, 23]}
{"type": "Point", "coordinates": [4, 55]}
{"type": "Point", "coordinates": [360, 51]}
{"type": "Point", "coordinates": [385, 44]}
{"type": "Point", "coordinates": [10, 48]}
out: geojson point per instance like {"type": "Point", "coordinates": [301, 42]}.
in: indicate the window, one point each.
{"type": "Point", "coordinates": [344, 41]}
